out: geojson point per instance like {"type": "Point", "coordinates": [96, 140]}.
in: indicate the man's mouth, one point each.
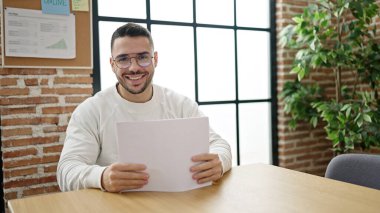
{"type": "Point", "coordinates": [135, 77]}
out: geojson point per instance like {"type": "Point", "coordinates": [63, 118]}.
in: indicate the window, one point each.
{"type": "Point", "coordinates": [216, 52]}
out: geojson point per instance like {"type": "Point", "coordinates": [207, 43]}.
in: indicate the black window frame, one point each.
{"type": "Point", "coordinates": [273, 65]}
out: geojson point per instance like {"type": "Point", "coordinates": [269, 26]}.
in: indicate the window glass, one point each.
{"type": "Point", "coordinates": [175, 68]}
{"type": "Point", "coordinates": [252, 13]}
{"type": "Point", "coordinates": [122, 8]}
{"type": "Point", "coordinates": [172, 10]}
{"type": "Point", "coordinates": [222, 119]}
{"type": "Point", "coordinates": [214, 70]}
{"type": "Point", "coordinates": [253, 64]}
{"type": "Point", "coordinates": [255, 133]}
{"type": "Point", "coordinates": [216, 64]}
{"type": "Point", "coordinates": [219, 12]}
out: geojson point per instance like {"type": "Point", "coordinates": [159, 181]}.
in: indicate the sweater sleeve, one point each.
{"type": "Point", "coordinates": [77, 167]}
{"type": "Point", "coordinates": [217, 144]}
{"type": "Point", "coordinates": [221, 147]}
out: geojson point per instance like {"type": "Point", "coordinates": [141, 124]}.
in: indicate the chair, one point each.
{"type": "Point", "coordinates": [360, 169]}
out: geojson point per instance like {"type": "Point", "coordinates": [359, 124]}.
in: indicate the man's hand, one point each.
{"type": "Point", "coordinates": [122, 176]}
{"type": "Point", "coordinates": [208, 169]}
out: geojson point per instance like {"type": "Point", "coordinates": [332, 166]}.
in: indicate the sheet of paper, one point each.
{"type": "Point", "coordinates": [60, 7]}
{"type": "Point", "coordinates": [166, 148]}
{"type": "Point", "coordinates": [30, 33]}
{"type": "Point", "coordinates": [80, 5]}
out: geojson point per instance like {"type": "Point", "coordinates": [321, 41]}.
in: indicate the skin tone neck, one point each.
{"type": "Point", "coordinates": [136, 98]}
{"type": "Point", "coordinates": [134, 82]}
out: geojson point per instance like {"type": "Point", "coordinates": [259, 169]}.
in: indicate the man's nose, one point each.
{"type": "Point", "coordinates": [134, 65]}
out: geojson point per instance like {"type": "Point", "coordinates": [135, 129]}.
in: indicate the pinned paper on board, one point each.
{"type": "Point", "coordinates": [30, 33]}
{"type": "Point", "coordinates": [58, 7]}
{"type": "Point", "coordinates": [80, 5]}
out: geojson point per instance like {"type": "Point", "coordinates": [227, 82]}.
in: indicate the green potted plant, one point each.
{"type": "Point", "coordinates": [336, 38]}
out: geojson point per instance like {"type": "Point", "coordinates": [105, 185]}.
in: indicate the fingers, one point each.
{"type": "Point", "coordinates": [127, 167]}
{"type": "Point", "coordinates": [209, 168]}
{"type": "Point", "coordinates": [204, 157]}
{"type": "Point", "coordinates": [208, 175]}
{"type": "Point", "coordinates": [121, 185]}
{"type": "Point", "coordinates": [122, 176]}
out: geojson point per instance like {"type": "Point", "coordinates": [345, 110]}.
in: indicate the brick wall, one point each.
{"type": "Point", "coordinates": [35, 109]}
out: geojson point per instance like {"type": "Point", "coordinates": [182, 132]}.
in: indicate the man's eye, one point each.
{"type": "Point", "coordinates": [143, 57]}
{"type": "Point", "coordinates": [123, 59]}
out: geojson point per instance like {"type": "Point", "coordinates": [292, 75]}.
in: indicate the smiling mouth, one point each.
{"type": "Point", "coordinates": [135, 77]}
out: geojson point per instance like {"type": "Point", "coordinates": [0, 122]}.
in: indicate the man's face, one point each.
{"type": "Point", "coordinates": [135, 79]}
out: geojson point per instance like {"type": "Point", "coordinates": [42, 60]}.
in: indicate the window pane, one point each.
{"type": "Point", "coordinates": [251, 13]}
{"type": "Point", "coordinates": [253, 64]}
{"type": "Point", "coordinates": [122, 8]}
{"type": "Point", "coordinates": [106, 29]}
{"type": "Point", "coordinates": [222, 120]}
{"type": "Point", "coordinates": [215, 12]}
{"type": "Point", "coordinates": [175, 48]}
{"type": "Point", "coordinates": [255, 133]}
{"type": "Point", "coordinates": [216, 64]}
{"type": "Point", "coordinates": [164, 10]}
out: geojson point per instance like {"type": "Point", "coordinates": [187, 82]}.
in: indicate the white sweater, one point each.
{"type": "Point", "coordinates": [90, 144]}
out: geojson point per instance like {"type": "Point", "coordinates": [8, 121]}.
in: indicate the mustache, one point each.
{"type": "Point", "coordinates": [135, 73]}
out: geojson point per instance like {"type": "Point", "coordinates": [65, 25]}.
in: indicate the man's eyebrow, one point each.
{"type": "Point", "coordinates": [128, 55]}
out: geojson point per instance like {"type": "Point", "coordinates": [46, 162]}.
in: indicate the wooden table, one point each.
{"type": "Point", "coordinates": [250, 188]}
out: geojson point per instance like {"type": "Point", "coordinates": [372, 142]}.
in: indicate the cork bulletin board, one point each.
{"type": "Point", "coordinates": [83, 41]}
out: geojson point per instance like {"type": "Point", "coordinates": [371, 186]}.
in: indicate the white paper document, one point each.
{"type": "Point", "coordinates": [166, 148]}
{"type": "Point", "coordinates": [30, 33]}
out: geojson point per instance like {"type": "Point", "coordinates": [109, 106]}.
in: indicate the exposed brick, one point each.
{"type": "Point", "coordinates": [66, 91]}
{"type": "Point", "coordinates": [44, 81]}
{"type": "Point", "coordinates": [28, 100]}
{"type": "Point", "coordinates": [73, 80]}
{"type": "Point", "coordinates": [30, 141]}
{"type": "Point", "coordinates": [75, 99]}
{"type": "Point", "coordinates": [16, 132]}
{"type": "Point", "coordinates": [294, 151]}
{"type": "Point", "coordinates": [20, 172]}
{"type": "Point", "coordinates": [19, 153]}
{"type": "Point", "coordinates": [8, 82]}
{"type": "Point", "coordinates": [50, 168]}
{"type": "Point", "coordinates": [31, 82]}
{"type": "Point", "coordinates": [10, 195]}
{"type": "Point", "coordinates": [50, 129]}
{"type": "Point", "coordinates": [18, 110]}
{"type": "Point", "coordinates": [78, 71]}
{"type": "Point", "coordinates": [13, 91]}
{"type": "Point", "coordinates": [58, 109]}
{"type": "Point", "coordinates": [30, 161]}
{"type": "Point", "coordinates": [28, 71]}
{"type": "Point", "coordinates": [53, 149]}
{"type": "Point", "coordinates": [30, 121]}
{"type": "Point", "coordinates": [29, 181]}
{"type": "Point", "coordinates": [308, 156]}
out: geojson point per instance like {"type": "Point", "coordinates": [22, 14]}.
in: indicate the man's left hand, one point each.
{"type": "Point", "coordinates": [208, 169]}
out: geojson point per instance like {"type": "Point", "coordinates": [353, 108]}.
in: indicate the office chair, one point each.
{"type": "Point", "coordinates": [360, 169]}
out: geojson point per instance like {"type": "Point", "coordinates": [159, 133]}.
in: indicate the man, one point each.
{"type": "Point", "coordinates": [89, 155]}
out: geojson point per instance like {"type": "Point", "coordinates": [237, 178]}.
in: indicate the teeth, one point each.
{"type": "Point", "coordinates": [135, 77]}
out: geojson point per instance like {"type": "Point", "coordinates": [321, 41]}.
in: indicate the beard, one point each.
{"type": "Point", "coordinates": [139, 90]}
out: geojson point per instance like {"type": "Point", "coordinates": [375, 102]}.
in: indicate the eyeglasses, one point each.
{"type": "Point", "coordinates": [124, 61]}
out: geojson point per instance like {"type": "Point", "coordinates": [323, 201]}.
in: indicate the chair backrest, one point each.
{"type": "Point", "coordinates": [360, 169]}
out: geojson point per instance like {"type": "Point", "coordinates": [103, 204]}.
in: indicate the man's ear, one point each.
{"type": "Point", "coordinates": [112, 63]}
{"type": "Point", "coordinates": [155, 57]}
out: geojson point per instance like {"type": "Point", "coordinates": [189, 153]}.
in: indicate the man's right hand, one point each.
{"type": "Point", "coordinates": [123, 176]}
